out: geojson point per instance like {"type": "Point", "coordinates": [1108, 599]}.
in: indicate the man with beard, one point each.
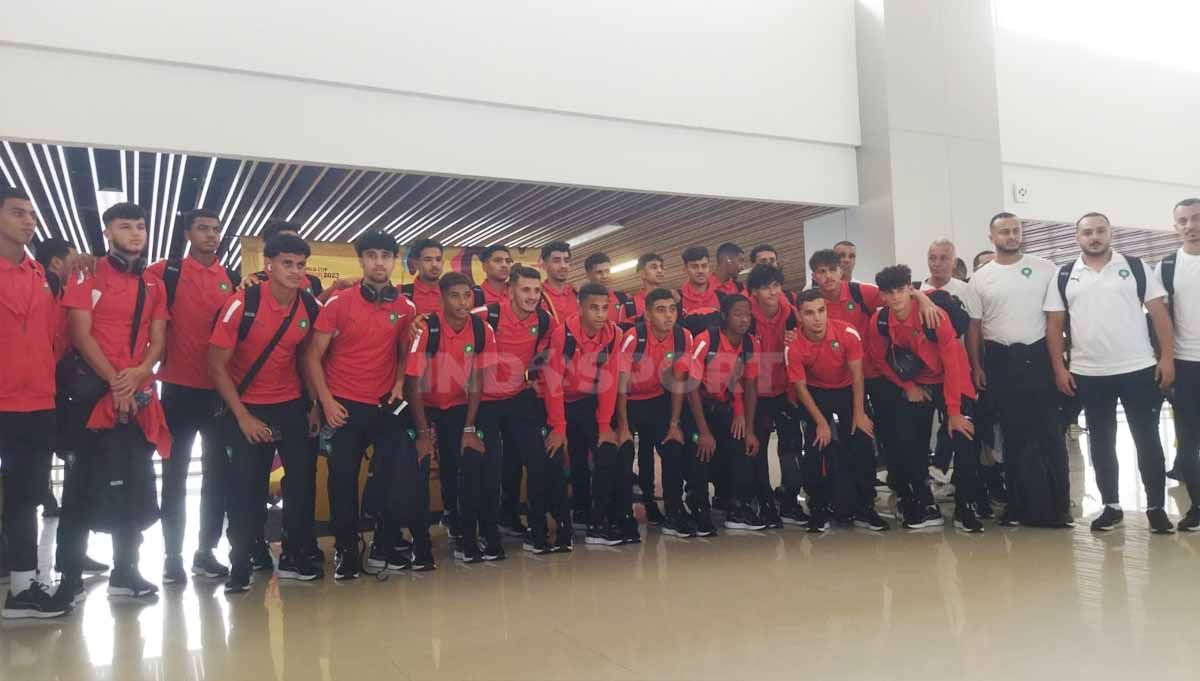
{"type": "Point", "coordinates": [424, 293]}
{"type": "Point", "coordinates": [555, 261]}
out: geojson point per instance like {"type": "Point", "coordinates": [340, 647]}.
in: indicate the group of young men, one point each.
{"type": "Point", "coordinates": [525, 387]}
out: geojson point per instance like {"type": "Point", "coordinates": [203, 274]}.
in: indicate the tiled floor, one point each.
{"type": "Point", "coordinates": [1011, 604]}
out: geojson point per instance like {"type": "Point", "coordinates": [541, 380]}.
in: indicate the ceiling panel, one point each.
{"type": "Point", "coordinates": [1056, 241]}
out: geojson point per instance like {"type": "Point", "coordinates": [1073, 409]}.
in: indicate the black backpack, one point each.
{"type": "Point", "coordinates": [626, 303]}
{"type": "Point", "coordinates": [639, 346]}
{"type": "Point", "coordinates": [1167, 269]}
{"type": "Point", "coordinates": [544, 321]}
{"type": "Point", "coordinates": [253, 299]}
{"type": "Point", "coordinates": [174, 270]}
{"type": "Point", "coordinates": [714, 347]}
{"type": "Point", "coordinates": [960, 319]}
{"type": "Point", "coordinates": [1138, 269]}
{"type": "Point", "coordinates": [435, 335]}
{"type": "Point", "coordinates": [571, 345]}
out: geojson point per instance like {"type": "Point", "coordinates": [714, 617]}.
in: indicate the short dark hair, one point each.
{"type": "Point", "coordinates": [591, 289]}
{"type": "Point", "coordinates": [894, 277]}
{"type": "Point", "coordinates": [52, 248]}
{"type": "Point", "coordinates": [285, 243]}
{"type": "Point", "coordinates": [1188, 202]}
{"type": "Point", "coordinates": [845, 242]}
{"type": "Point", "coordinates": [647, 258]}
{"type": "Point", "coordinates": [487, 253]}
{"type": "Point", "coordinates": [826, 257]}
{"type": "Point", "coordinates": [657, 295]}
{"type": "Point", "coordinates": [7, 193]}
{"type": "Point", "coordinates": [763, 276]}
{"type": "Point", "coordinates": [420, 245]}
{"type": "Point", "coordinates": [555, 247]}
{"type": "Point", "coordinates": [189, 218]}
{"type": "Point", "coordinates": [728, 302]}
{"type": "Point", "coordinates": [122, 211]}
{"type": "Point", "coordinates": [728, 248]}
{"type": "Point", "coordinates": [595, 259]}
{"type": "Point", "coordinates": [451, 279]}
{"type": "Point", "coordinates": [372, 240]}
{"type": "Point", "coordinates": [978, 256]}
{"type": "Point", "coordinates": [808, 296]}
{"type": "Point", "coordinates": [275, 226]}
{"type": "Point", "coordinates": [1002, 215]}
{"type": "Point", "coordinates": [694, 253]}
{"type": "Point", "coordinates": [762, 248]}
{"type": "Point", "coordinates": [1092, 214]}
{"type": "Point", "coordinates": [523, 272]}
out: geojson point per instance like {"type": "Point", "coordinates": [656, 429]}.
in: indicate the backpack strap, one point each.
{"type": "Point", "coordinates": [480, 334]}
{"type": "Point", "coordinates": [625, 301]}
{"type": "Point", "coordinates": [1064, 277]}
{"type": "Point", "coordinates": [793, 322]}
{"type": "Point", "coordinates": [174, 269]}
{"type": "Point", "coordinates": [714, 344]}
{"type": "Point", "coordinates": [480, 299]}
{"type": "Point", "coordinates": [252, 300]}
{"type": "Point", "coordinates": [138, 308]}
{"type": "Point", "coordinates": [639, 346]}
{"type": "Point", "coordinates": [680, 340]}
{"type": "Point", "coordinates": [543, 332]}
{"type": "Point", "coordinates": [311, 306]}
{"type": "Point", "coordinates": [856, 294]}
{"type": "Point", "coordinates": [493, 315]}
{"type": "Point", "coordinates": [252, 372]}
{"type": "Point", "coordinates": [540, 357]}
{"type": "Point", "coordinates": [881, 324]}
{"type": "Point", "coordinates": [407, 291]}
{"type": "Point", "coordinates": [1138, 269]}
{"type": "Point", "coordinates": [569, 344]}
{"type": "Point", "coordinates": [1167, 269]}
{"type": "Point", "coordinates": [434, 329]}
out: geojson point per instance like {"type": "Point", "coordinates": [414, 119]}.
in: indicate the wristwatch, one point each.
{"type": "Point", "coordinates": [468, 429]}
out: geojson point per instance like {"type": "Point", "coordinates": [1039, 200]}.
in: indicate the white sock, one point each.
{"type": "Point", "coordinates": [1115, 507]}
{"type": "Point", "coordinates": [21, 580]}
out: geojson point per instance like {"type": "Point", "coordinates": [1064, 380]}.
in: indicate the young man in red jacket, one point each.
{"type": "Point", "coordinates": [930, 367]}
{"type": "Point", "coordinates": [28, 326]}
{"type": "Point", "coordinates": [654, 364]}
{"type": "Point", "coordinates": [556, 263]}
{"type": "Point", "coordinates": [589, 345]}
{"type": "Point", "coordinates": [253, 364]}
{"type": "Point", "coordinates": [443, 389]}
{"type": "Point", "coordinates": [197, 286]}
{"type": "Point", "coordinates": [824, 368]}
{"type": "Point", "coordinates": [426, 255]}
{"type": "Point", "coordinates": [653, 273]}
{"type": "Point", "coordinates": [497, 263]}
{"type": "Point", "coordinates": [621, 306]}
{"type": "Point", "coordinates": [698, 295]}
{"type": "Point", "coordinates": [731, 260]}
{"type": "Point", "coordinates": [354, 365]}
{"type": "Point", "coordinates": [523, 407]}
{"type": "Point", "coordinates": [774, 325]}
{"type": "Point", "coordinates": [129, 420]}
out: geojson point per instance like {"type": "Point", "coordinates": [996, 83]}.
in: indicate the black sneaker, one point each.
{"type": "Point", "coordinates": [296, 568]}
{"type": "Point", "coordinates": [1159, 522]}
{"type": "Point", "coordinates": [494, 552]}
{"type": "Point", "coordinates": [129, 583]}
{"type": "Point", "coordinates": [564, 538]}
{"type": "Point", "coordinates": [771, 516]}
{"type": "Point", "coordinates": [601, 535]}
{"type": "Point", "coordinates": [819, 522]}
{"type": "Point", "coordinates": [654, 516]}
{"type": "Point", "coordinates": [239, 580]}
{"type": "Point", "coordinates": [345, 564]}
{"type": "Point", "coordinates": [261, 558]}
{"type": "Point", "coordinates": [704, 523]}
{"type": "Point", "coordinates": [918, 517]}
{"type": "Point", "coordinates": [513, 526]}
{"type": "Point", "coordinates": [631, 532]}
{"type": "Point", "coordinates": [794, 516]}
{"type": "Point", "coordinates": [537, 545]}
{"type": "Point", "coordinates": [452, 524]}
{"type": "Point", "coordinates": [1009, 519]}
{"type": "Point", "coordinates": [870, 520]}
{"type": "Point", "coordinates": [74, 587]}
{"type": "Point", "coordinates": [676, 524]}
{"type": "Point", "coordinates": [92, 567]}
{"type": "Point", "coordinates": [205, 564]}
{"type": "Point", "coordinates": [423, 559]}
{"type": "Point", "coordinates": [1108, 519]}
{"type": "Point", "coordinates": [985, 511]}
{"type": "Point", "coordinates": [743, 517]}
{"type": "Point", "coordinates": [387, 560]}
{"type": "Point", "coordinates": [966, 520]}
{"type": "Point", "coordinates": [1191, 520]}
{"type": "Point", "coordinates": [36, 603]}
{"type": "Point", "coordinates": [173, 572]}
{"type": "Point", "coordinates": [467, 551]}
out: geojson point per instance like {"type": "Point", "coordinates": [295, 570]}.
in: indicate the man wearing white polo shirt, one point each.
{"type": "Point", "coordinates": [1179, 273]}
{"type": "Point", "coordinates": [1007, 346]}
{"type": "Point", "coordinates": [1112, 359]}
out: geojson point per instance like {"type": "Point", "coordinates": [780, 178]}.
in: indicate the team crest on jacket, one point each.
{"type": "Point", "coordinates": [835, 345]}
{"type": "Point", "coordinates": [1026, 272]}
{"type": "Point", "coordinates": [304, 323]}
{"type": "Point", "coordinates": [533, 330]}
{"type": "Point", "coordinates": [393, 317]}
{"type": "Point", "coordinates": [850, 306]}
{"type": "Point", "coordinates": [224, 286]}
{"type": "Point", "coordinates": [469, 349]}
{"type": "Point", "coordinates": [1124, 273]}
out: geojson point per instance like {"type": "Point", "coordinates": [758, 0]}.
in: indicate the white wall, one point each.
{"type": "Point", "coordinates": [724, 97]}
{"type": "Point", "coordinates": [1085, 130]}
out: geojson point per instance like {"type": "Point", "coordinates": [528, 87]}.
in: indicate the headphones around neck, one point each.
{"type": "Point", "coordinates": [387, 294]}
{"type": "Point", "coordinates": [120, 264]}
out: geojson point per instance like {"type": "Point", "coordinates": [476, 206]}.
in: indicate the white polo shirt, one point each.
{"type": "Point", "coordinates": [1187, 305]}
{"type": "Point", "coordinates": [1108, 323]}
{"type": "Point", "coordinates": [1010, 299]}
{"type": "Point", "coordinates": [959, 289]}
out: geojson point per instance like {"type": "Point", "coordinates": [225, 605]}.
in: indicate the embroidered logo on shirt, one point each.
{"type": "Point", "coordinates": [469, 349]}
{"type": "Point", "coordinates": [850, 306]}
{"type": "Point", "coordinates": [835, 345]}
{"type": "Point", "coordinates": [1026, 272]}
{"type": "Point", "coordinates": [670, 355]}
{"type": "Point", "coordinates": [304, 323]}
{"type": "Point", "coordinates": [1124, 273]}
{"type": "Point", "coordinates": [224, 286]}
{"type": "Point", "coordinates": [533, 330]}
{"type": "Point", "coordinates": [393, 317]}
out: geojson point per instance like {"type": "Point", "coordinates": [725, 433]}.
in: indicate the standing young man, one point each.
{"type": "Point", "coordinates": [774, 326]}
{"type": "Point", "coordinates": [497, 264]}
{"type": "Point", "coordinates": [847, 254]}
{"type": "Point", "coordinates": [589, 381]}
{"type": "Point", "coordinates": [824, 370]}
{"type": "Point", "coordinates": [556, 263]}
{"type": "Point", "coordinates": [1006, 343]}
{"type": "Point", "coordinates": [1179, 273]}
{"type": "Point", "coordinates": [654, 361]}
{"type": "Point", "coordinates": [354, 366]}
{"type": "Point", "coordinates": [424, 293]}
{"type": "Point", "coordinates": [196, 287]}
{"type": "Point", "coordinates": [621, 309]}
{"type": "Point", "coordinates": [1112, 359]}
{"type": "Point", "coordinates": [731, 260]}
{"type": "Point", "coordinates": [652, 272]}
{"type": "Point", "coordinates": [523, 406]}
{"type": "Point", "coordinates": [698, 296]}
{"type": "Point", "coordinates": [252, 359]}
{"type": "Point", "coordinates": [443, 388]}
{"type": "Point", "coordinates": [118, 319]}
{"type": "Point", "coordinates": [53, 255]}
{"type": "Point", "coordinates": [930, 368]}
{"type": "Point", "coordinates": [275, 227]}
{"type": "Point", "coordinates": [28, 325]}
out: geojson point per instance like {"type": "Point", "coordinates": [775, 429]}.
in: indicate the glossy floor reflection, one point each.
{"type": "Point", "coordinates": [936, 604]}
